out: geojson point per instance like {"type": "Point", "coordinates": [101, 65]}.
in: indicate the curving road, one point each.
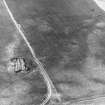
{"type": "Point", "coordinates": [68, 39]}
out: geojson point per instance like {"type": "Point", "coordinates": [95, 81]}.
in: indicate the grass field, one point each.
{"type": "Point", "coordinates": [67, 37]}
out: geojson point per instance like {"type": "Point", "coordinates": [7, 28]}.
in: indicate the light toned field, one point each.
{"type": "Point", "coordinates": [17, 89]}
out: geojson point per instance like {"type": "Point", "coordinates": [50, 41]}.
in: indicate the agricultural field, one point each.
{"type": "Point", "coordinates": [68, 38]}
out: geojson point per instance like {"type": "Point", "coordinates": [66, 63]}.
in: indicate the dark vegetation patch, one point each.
{"type": "Point", "coordinates": [65, 42]}
{"type": "Point", "coordinates": [57, 43]}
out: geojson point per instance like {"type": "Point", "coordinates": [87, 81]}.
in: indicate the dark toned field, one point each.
{"type": "Point", "coordinates": [68, 36]}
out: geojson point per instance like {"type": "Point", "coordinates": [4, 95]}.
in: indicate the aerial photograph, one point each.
{"type": "Point", "coordinates": [52, 52]}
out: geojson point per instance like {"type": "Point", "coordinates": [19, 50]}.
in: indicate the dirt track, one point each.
{"type": "Point", "coordinates": [11, 84]}
{"type": "Point", "coordinates": [58, 31]}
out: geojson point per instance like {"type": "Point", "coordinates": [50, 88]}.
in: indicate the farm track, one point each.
{"type": "Point", "coordinates": [52, 92]}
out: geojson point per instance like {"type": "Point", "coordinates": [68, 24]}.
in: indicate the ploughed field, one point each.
{"type": "Point", "coordinates": [69, 39]}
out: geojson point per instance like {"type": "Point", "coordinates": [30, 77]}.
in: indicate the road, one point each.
{"type": "Point", "coordinates": [69, 37]}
